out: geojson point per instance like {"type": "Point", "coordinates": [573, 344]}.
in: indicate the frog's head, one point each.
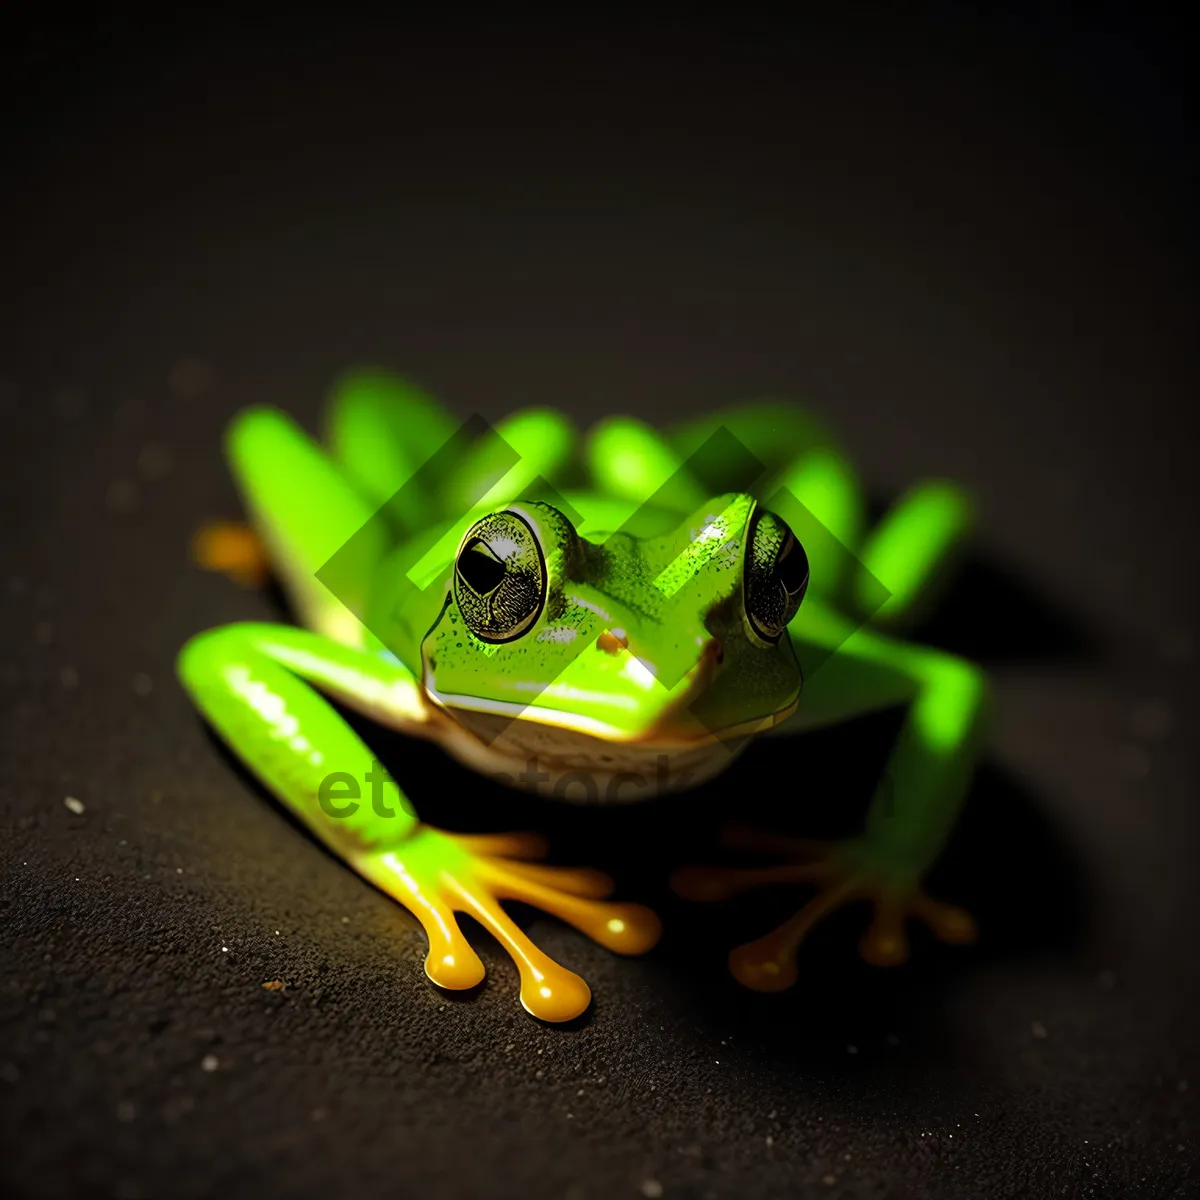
{"type": "Point", "coordinates": [657, 641]}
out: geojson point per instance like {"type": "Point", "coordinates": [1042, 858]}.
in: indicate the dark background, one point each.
{"type": "Point", "coordinates": [966, 236]}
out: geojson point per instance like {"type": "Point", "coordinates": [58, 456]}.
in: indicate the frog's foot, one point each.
{"type": "Point", "coordinates": [234, 550]}
{"type": "Point", "coordinates": [436, 875]}
{"type": "Point", "coordinates": [843, 872]}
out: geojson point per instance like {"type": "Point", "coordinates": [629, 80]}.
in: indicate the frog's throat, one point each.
{"type": "Point", "coordinates": [583, 767]}
{"type": "Point", "coordinates": [565, 764]}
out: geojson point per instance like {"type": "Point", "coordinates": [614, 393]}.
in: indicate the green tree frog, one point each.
{"type": "Point", "coordinates": [607, 616]}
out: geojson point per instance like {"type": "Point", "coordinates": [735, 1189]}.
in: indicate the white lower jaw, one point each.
{"type": "Point", "coordinates": [531, 713]}
{"type": "Point", "coordinates": [576, 765]}
{"type": "Point", "coordinates": [566, 765]}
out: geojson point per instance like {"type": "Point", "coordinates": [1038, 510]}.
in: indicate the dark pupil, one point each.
{"type": "Point", "coordinates": [481, 569]}
{"type": "Point", "coordinates": [792, 566]}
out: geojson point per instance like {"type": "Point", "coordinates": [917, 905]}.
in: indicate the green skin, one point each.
{"type": "Point", "coordinates": [677, 640]}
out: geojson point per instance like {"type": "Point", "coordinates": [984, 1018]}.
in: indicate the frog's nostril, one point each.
{"type": "Point", "coordinates": [613, 640]}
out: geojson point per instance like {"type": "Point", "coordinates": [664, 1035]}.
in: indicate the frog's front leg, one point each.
{"type": "Point", "coordinates": [256, 684]}
{"type": "Point", "coordinates": [910, 816]}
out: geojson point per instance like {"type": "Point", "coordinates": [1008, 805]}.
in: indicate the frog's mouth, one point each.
{"type": "Point", "coordinates": [572, 752]}
{"type": "Point", "coordinates": [680, 721]}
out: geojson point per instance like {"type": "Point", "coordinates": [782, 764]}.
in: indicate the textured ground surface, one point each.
{"type": "Point", "coordinates": [971, 259]}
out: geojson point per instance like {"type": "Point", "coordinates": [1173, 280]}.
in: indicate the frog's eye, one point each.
{"type": "Point", "coordinates": [775, 577]}
{"type": "Point", "coordinates": [500, 578]}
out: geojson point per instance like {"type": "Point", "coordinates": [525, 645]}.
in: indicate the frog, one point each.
{"type": "Point", "coordinates": [610, 614]}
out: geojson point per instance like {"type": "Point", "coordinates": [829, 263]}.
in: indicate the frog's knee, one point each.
{"type": "Point", "coordinates": [964, 676]}
{"type": "Point", "coordinates": [630, 459]}
{"type": "Point", "coordinates": [956, 688]}
{"type": "Point", "coordinates": [255, 428]}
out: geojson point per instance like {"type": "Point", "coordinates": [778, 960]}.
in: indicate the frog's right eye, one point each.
{"type": "Point", "coordinates": [500, 578]}
{"type": "Point", "coordinates": [775, 579]}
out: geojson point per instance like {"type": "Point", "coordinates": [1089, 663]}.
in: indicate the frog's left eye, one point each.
{"type": "Point", "coordinates": [775, 578]}
{"type": "Point", "coordinates": [500, 578]}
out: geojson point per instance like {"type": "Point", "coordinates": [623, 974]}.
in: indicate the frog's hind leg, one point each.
{"type": "Point", "coordinates": [421, 466]}
{"type": "Point", "coordinates": [260, 687]}
{"type": "Point", "coordinates": [773, 432]}
{"type": "Point", "coordinates": [305, 509]}
{"type": "Point", "coordinates": [381, 429]}
{"type": "Point", "coordinates": [631, 462]}
{"type": "Point", "coordinates": [678, 470]}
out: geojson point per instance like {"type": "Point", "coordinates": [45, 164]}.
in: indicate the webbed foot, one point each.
{"type": "Point", "coordinates": [843, 872]}
{"type": "Point", "coordinates": [436, 875]}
